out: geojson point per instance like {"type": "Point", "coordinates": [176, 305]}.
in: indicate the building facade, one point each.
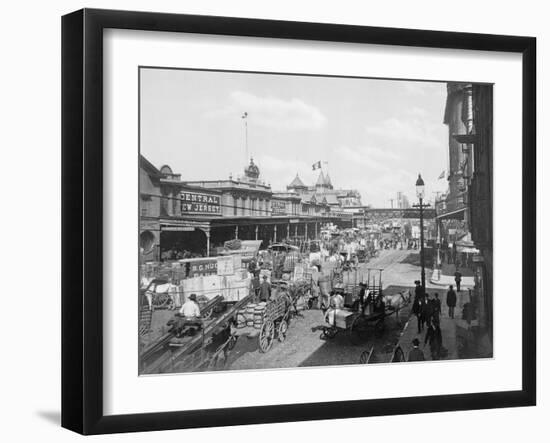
{"type": "Point", "coordinates": [481, 210]}
{"type": "Point", "coordinates": [466, 211]}
{"type": "Point", "coordinates": [178, 216]}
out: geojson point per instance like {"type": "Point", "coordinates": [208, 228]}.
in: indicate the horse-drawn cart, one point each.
{"type": "Point", "coordinates": [360, 317]}
{"type": "Point", "coordinates": [358, 324]}
{"type": "Point", "coordinates": [265, 320]}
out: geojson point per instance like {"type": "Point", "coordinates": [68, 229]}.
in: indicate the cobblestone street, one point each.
{"type": "Point", "coordinates": [304, 346]}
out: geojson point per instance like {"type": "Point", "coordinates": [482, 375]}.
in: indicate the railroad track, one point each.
{"type": "Point", "coordinates": [160, 357]}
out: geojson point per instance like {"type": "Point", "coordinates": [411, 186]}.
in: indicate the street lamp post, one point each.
{"type": "Point", "coordinates": [421, 206]}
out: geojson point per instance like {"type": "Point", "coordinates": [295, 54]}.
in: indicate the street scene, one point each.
{"type": "Point", "coordinates": [290, 221]}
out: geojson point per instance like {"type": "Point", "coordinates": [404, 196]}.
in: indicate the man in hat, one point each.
{"type": "Point", "coordinates": [189, 313]}
{"type": "Point", "coordinates": [458, 279]}
{"type": "Point", "coordinates": [265, 289]}
{"type": "Point", "coordinates": [416, 354]}
{"type": "Point", "coordinates": [451, 301]}
{"type": "Point", "coordinates": [362, 293]}
{"type": "Point", "coordinates": [190, 309]}
{"type": "Point", "coordinates": [419, 306]}
{"type": "Point", "coordinates": [418, 290]}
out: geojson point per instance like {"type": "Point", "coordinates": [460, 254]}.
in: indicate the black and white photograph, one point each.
{"type": "Point", "coordinates": [293, 221]}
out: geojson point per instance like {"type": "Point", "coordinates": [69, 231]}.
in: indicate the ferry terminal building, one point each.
{"type": "Point", "coordinates": [198, 216]}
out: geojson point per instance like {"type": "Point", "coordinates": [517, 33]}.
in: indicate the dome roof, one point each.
{"type": "Point", "coordinates": [252, 171]}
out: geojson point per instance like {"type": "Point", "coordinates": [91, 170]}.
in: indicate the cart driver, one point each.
{"type": "Point", "coordinates": [336, 304]}
{"type": "Point", "coordinates": [337, 301]}
{"type": "Point", "coordinates": [190, 311]}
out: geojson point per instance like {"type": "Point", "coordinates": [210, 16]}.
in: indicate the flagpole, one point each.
{"type": "Point", "coordinates": [245, 118]}
{"type": "Point", "coordinates": [246, 137]}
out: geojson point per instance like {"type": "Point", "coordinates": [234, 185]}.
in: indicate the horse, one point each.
{"type": "Point", "coordinates": [397, 301]}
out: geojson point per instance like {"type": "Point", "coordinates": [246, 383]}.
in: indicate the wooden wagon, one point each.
{"type": "Point", "coordinates": [264, 320]}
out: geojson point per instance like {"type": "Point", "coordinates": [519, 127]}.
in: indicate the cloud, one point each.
{"type": "Point", "coordinates": [280, 172]}
{"type": "Point", "coordinates": [373, 159]}
{"type": "Point", "coordinates": [419, 87]}
{"type": "Point", "coordinates": [273, 112]}
{"type": "Point", "coordinates": [414, 130]}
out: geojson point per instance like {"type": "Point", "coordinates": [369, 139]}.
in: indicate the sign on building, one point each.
{"type": "Point", "coordinates": [199, 203]}
{"type": "Point", "coordinates": [278, 207]}
{"type": "Point", "coordinates": [203, 267]}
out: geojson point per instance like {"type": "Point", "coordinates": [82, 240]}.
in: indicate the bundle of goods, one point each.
{"type": "Point", "coordinates": [300, 291]}
{"type": "Point", "coordinates": [276, 308]}
{"type": "Point", "coordinates": [259, 312]}
{"type": "Point", "coordinates": [233, 244]}
{"type": "Point", "coordinates": [252, 315]}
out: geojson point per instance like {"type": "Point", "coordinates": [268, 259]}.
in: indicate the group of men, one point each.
{"type": "Point", "coordinates": [428, 312]}
{"type": "Point", "coordinates": [426, 309]}
{"type": "Point", "coordinates": [262, 291]}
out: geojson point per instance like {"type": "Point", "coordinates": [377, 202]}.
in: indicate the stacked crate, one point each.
{"type": "Point", "coordinates": [252, 315]}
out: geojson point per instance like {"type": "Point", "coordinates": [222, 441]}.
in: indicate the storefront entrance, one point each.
{"type": "Point", "coordinates": [177, 244]}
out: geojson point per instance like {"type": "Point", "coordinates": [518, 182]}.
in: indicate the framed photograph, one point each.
{"type": "Point", "coordinates": [269, 221]}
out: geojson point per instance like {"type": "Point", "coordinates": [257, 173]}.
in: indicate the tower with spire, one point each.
{"type": "Point", "coordinates": [323, 182]}
{"type": "Point", "coordinates": [297, 185]}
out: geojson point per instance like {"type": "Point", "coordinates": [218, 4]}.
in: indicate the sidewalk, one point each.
{"type": "Point", "coordinates": [448, 329]}
{"type": "Point", "coordinates": [446, 276]}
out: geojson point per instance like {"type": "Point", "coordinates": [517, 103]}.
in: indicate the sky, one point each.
{"type": "Point", "coordinates": [375, 135]}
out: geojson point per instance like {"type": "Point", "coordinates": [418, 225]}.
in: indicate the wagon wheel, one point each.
{"type": "Point", "coordinates": [359, 330]}
{"type": "Point", "coordinates": [364, 358]}
{"type": "Point", "coordinates": [283, 328]}
{"type": "Point", "coordinates": [267, 334]}
{"type": "Point", "coordinates": [160, 300]}
{"type": "Point", "coordinates": [379, 327]}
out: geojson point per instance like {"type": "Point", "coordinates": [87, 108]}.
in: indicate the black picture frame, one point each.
{"type": "Point", "coordinates": [82, 218]}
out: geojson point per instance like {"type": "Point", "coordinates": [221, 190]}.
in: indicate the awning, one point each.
{"type": "Point", "coordinates": [457, 214]}
{"type": "Point", "coordinates": [467, 249]}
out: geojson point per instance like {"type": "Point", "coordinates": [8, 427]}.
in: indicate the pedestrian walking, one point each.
{"type": "Point", "coordinates": [418, 306]}
{"type": "Point", "coordinates": [451, 301]}
{"type": "Point", "coordinates": [434, 339]}
{"type": "Point", "coordinates": [458, 279]}
{"type": "Point", "coordinates": [427, 311]}
{"type": "Point", "coordinates": [418, 292]}
{"type": "Point", "coordinates": [416, 354]}
{"type": "Point", "coordinates": [362, 293]}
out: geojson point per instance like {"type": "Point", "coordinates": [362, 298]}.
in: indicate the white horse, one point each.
{"type": "Point", "coordinates": [397, 301]}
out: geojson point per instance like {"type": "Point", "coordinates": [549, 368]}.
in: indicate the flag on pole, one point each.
{"type": "Point", "coordinates": [442, 175]}
{"type": "Point", "coordinates": [244, 115]}
{"type": "Point", "coordinates": [316, 165]}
